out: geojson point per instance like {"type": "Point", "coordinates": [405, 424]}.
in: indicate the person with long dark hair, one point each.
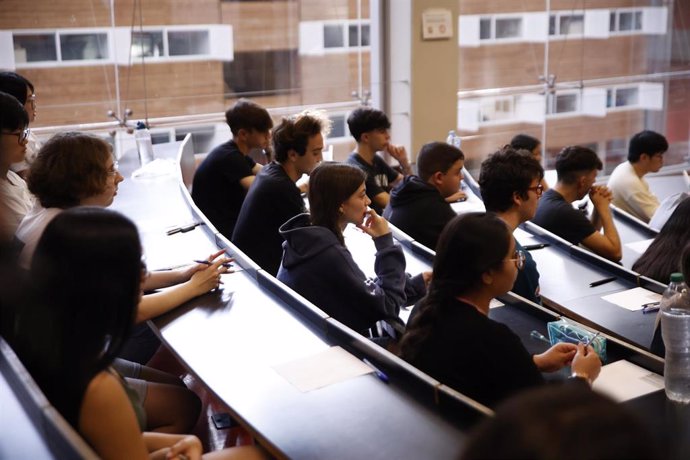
{"type": "Point", "coordinates": [662, 257]}
{"type": "Point", "coordinates": [87, 276]}
{"type": "Point", "coordinates": [317, 264]}
{"type": "Point", "coordinates": [450, 335]}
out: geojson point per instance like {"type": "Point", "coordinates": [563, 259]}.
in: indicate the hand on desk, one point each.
{"type": "Point", "coordinates": [186, 273]}
{"type": "Point", "coordinates": [207, 277]}
{"type": "Point", "coordinates": [457, 196]}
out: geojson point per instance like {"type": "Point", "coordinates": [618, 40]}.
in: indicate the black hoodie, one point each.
{"type": "Point", "coordinates": [321, 269]}
{"type": "Point", "coordinates": [419, 210]}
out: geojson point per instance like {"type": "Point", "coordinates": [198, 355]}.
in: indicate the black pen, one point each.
{"type": "Point", "coordinates": [382, 377]}
{"type": "Point", "coordinates": [206, 262]}
{"type": "Point", "coordinates": [532, 247]}
{"type": "Point", "coordinates": [600, 282]}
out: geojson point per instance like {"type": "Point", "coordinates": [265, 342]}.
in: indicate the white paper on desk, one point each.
{"type": "Point", "coordinates": [322, 369]}
{"type": "Point", "coordinates": [633, 299]}
{"type": "Point", "coordinates": [640, 246]}
{"type": "Point", "coordinates": [624, 380]}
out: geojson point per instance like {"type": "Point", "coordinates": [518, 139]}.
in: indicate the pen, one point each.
{"type": "Point", "coordinates": [600, 282]}
{"type": "Point", "coordinates": [539, 336]}
{"type": "Point", "coordinates": [183, 228]}
{"type": "Point", "coordinates": [650, 307]}
{"type": "Point", "coordinates": [532, 247]}
{"type": "Point", "coordinates": [206, 262]}
{"type": "Point", "coordinates": [382, 377]}
{"type": "Point", "coordinates": [591, 339]}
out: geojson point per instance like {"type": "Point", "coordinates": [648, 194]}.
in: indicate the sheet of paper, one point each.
{"type": "Point", "coordinates": [640, 246]}
{"type": "Point", "coordinates": [322, 369]}
{"type": "Point", "coordinates": [633, 299]}
{"type": "Point", "coordinates": [624, 380]}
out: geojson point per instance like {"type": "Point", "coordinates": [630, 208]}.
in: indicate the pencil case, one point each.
{"type": "Point", "coordinates": [564, 331]}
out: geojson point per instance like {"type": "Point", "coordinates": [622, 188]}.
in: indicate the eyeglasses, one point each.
{"type": "Point", "coordinates": [22, 135]}
{"type": "Point", "coordinates": [519, 259]}
{"type": "Point", "coordinates": [538, 189]}
{"type": "Point", "coordinates": [114, 169]}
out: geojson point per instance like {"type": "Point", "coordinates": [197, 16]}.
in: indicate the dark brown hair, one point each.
{"type": "Point", "coordinates": [330, 185]}
{"type": "Point", "coordinates": [293, 133]}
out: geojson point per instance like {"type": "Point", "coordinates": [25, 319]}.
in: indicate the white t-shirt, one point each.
{"type": "Point", "coordinates": [30, 231]}
{"type": "Point", "coordinates": [631, 193]}
{"type": "Point", "coordinates": [17, 201]}
{"type": "Point", "coordinates": [33, 145]}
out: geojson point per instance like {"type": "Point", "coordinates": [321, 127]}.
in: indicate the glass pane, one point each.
{"type": "Point", "coordinates": [262, 72]}
{"type": "Point", "coordinates": [366, 41]}
{"type": "Point", "coordinates": [626, 97]}
{"type": "Point", "coordinates": [508, 28]}
{"type": "Point", "coordinates": [612, 21]}
{"type": "Point", "coordinates": [333, 36]}
{"type": "Point", "coordinates": [34, 48]}
{"type": "Point", "coordinates": [625, 21]}
{"type": "Point", "coordinates": [147, 44]}
{"type": "Point", "coordinates": [188, 43]}
{"type": "Point", "coordinates": [79, 47]}
{"type": "Point", "coordinates": [566, 103]}
{"type": "Point", "coordinates": [572, 24]}
{"type": "Point", "coordinates": [638, 20]}
{"type": "Point", "coordinates": [353, 35]}
{"type": "Point", "coordinates": [609, 98]}
{"type": "Point", "coordinates": [484, 29]}
{"type": "Point", "coordinates": [338, 126]}
{"type": "Point", "coordinates": [552, 24]}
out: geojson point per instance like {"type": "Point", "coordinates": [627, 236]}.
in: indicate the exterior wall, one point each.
{"type": "Point", "coordinates": [260, 26]}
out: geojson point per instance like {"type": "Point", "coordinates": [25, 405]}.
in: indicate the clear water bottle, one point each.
{"type": "Point", "coordinates": [453, 139]}
{"type": "Point", "coordinates": [675, 331]}
{"type": "Point", "coordinates": [144, 145]}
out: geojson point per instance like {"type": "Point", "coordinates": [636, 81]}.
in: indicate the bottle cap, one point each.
{"type": "Point", "coordinates": [676, 277]}
{"type": "Point", "coordinates": [141, 125]}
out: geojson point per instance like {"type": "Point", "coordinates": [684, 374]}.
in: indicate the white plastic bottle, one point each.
{"type": "Point", "coordinates": [144, 144]}
{"type": "Point", "coordinates": [675, 331]}
{"type": "Point", "coordinates": [453, 139]}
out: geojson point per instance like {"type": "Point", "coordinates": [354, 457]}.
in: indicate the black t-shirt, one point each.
{"type": "Point", "coordinates": [475, 355]}
{"type": "Point", "coordinates": [558, 216]}
{"type": "Point", "coordinates": [272, 200]}
{"type": "Point", "coordinates": [217, 190]}
{"type": "Point", "coordinates": [527, 281]}
{"type": "Point", "coordinates": [379, 176]}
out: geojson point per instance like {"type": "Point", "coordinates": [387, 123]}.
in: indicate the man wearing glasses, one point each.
{"type": "Point", "coordinates": [23, 90]}
{"type": "Point", "coordinates": [630, 191]}
{"type": "Point", "coordinates": [511, 185]}
{"type": "Point", "coordinates": [576, 168]}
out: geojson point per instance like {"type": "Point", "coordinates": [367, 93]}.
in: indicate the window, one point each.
{"type": "Point", "coordinates": [188, 43]}
{"type": "Point", "coordinates": [496, 109]}
{"type": "Point", "coordinates": [566, 24]}
{"type": "Point", "coordinates": [500, 28]}
{"type": "Point", "coordinates": [333, 36]}
{"type": "Point", "coordinates": [147, 44]}
{"type": "Point", "coordinates": [625, 21]}
{"type": "Point", "coordinates": [84, 47]}
{"type": "Point", "coordinates": [338, 126]}
{"type": "Point", "coordinates": [562, 103]}
{"type": "Point", "coordinates": [508, 28]}
{"type": "Point", "coordinates": [358, 35]}
{"type": "Point", "coordinates": [60, 46]}
{"type": "Point", "coordinates": [622, 97]}
{"type": "Point", "coordinates": [263, 72]}
{"type": "Point", "coordinates": [34, 48]}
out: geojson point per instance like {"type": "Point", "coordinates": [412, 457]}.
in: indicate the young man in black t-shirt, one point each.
{"type": "Point", "coordinates": [370, 128]}
{"type": "Point", "coordinates": [223, 178]}
{"type": "Point", "coordinates": [577, 168]}
{"type": "Point", "coordinates": [274, 197]}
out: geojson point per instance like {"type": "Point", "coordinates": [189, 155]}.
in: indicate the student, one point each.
{"type": "Point", "coordinates": [630, 191]}
{"type": "Point", "coordinates": [419, 205]}
{"type": "Point", "coordinates": [511, 185]}
{"type": "Point", "coordinates": [317, 264]}
{"type": "Point", "coordinates": [23, 90]}
{"type": "Point", "coordinates": [533, 146]}
{"type": "Point", "coordinates": [76, 169]}
{"type": "Point", "coordinates": [560, 422]}
{"type": "Point", "coordinates": [450, 336]}
{"type": "Point", "coordinates": [14, 194]}
{"type": "Point", "coordinates": [577, 168]}
{"type": "Point", "coordinates": [223, 178]}
{"type": "Point", "coordinates": [661, 257]}
{"type": "Point", "coordinates": [274, 198]}
{"type": "Point", "coordinates": [370, 128]}
{"type": "Point", "coordinates": [87, 277]}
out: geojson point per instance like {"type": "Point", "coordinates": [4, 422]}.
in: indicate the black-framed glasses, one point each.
{"type": "Point", "coordinates": [22, 135]}
{"type": "Point", "coordinates": [538, 189]}
{"type": "Point", "coordinates": [518, 259]}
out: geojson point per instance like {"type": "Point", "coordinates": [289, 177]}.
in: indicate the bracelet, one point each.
{"type": "Point", "coordinates": [580, 375]}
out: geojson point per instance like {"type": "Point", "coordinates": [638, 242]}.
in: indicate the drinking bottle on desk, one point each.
{"type": "Point", "coordinates": [675, 331]}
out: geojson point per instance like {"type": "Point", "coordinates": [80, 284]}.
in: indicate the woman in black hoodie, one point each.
{"type": "Point", "coordinates": [317, 264]}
